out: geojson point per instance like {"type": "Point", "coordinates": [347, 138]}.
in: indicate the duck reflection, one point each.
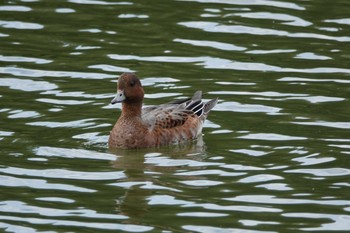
{"type": "Point", "coordinates": [142, 175]}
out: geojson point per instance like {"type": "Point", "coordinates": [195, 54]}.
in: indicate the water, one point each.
{"type": "Point", "coordinates": [274, 155]}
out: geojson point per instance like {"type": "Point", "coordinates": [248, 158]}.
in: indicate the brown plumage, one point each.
{"type": "Point", "coordinates": [170, 123]}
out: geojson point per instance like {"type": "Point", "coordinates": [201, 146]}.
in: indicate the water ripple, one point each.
{"type": "Point", "coordinates": [269, 199]}
{"type": "Point", "coordinates": [239, 29]}
{"type": "Point", "coordinates": [220, 63]}
{"type": "Point", "coordinates": [85, 224]}
{"type": "Point", "coordinates": [202, 214]}
{"type": "Point", "coordinates": [72, 153]}
{"type": "Point", "coordinates": [63, 174]}
{"type": "Point", "coordinates": [250, 152]}
{"type": "Point", "coordinates": [201, 183]}
{"type": "Point", "coordinates": [209, 172]}
{"type": "Point", "coordinates": [311, 56]}
{"type": "Point", "coordinates": [271, 137]}
{"type": "Point", "coordinates": [260, 178]}
{"type": "Point", "coordinates": [98, 2]}
{"type": "Point", "coordinates": [325, 172]}
{"type": "Point", "coordinates": [169, 162]}
{"type": "Point", "coordinates": [110, 68]}
{"type": "Point", "coordinates": [209, 229]}
{"type": "Point", "coordinates": [339, 125]}
{"type": "Point", "coordinates": [275, 187]}
{"type": "Point", "coordinates": [130, 16]}
{"type": "Point", "coordinates": [21, 207]}
{"type": "Point", "coordinates": [9, 181]}
{"type": "Point", "coordinates": [339, 222]}
{"type": "Point", "coordinates": [327, 80]}
{"type": "Point", "coordinates": [255, 51]}
{"type": "Point", "coordinates": [27, 84]}
{"type": "Point", "coordinates": [237, 208]}
{"type": "Point", "coordinates": [292, 20]}
{"type": "Point", "coordinates": [15, 8]}
{"type": "Point", "coordinates": [313, 159]}
{"type": "Point", "coordinates": [345, 21]}
{"type": "Point", "coordinates": [23, 114]}
{"type": "Point", "coordinates": [76, 94]}
{"type": "Point", "coordinates": [24, 59]}
{"type": "Point", "coordinates": [238, 107]}
{"type": "Point", "coordinates": [68, 124]}
{"type": "Point", "coordinates": [166, 200]}
{"type": "Point", "coordinates": [20, 25]}
{"type": "Point", "coordinates": [287, 5]}
{"type": "Point", "coordinates": [63, 102]}
{"type": "Point", "coordinates": [311, 99]}
{"type": "Point", "coordinates": [25, 72]}
{"type": "Point", "coordinates": [143, 185]}
{"type": "Point", "coordinates": [65, 10]}
{"type": "Point", "coordinates": [212, 44]}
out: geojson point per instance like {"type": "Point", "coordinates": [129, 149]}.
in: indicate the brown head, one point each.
{"type": "Point", "coordinates": [129, 89]}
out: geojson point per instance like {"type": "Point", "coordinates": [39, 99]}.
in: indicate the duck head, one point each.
{"type": "Point", "coordinates": [129, 90]}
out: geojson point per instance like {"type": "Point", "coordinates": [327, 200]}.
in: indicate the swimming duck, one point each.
{"type": "Point", "coordinates": [171, 123]}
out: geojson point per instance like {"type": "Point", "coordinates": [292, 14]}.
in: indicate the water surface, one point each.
{"type": "Point", "coordinates": [274, 154]}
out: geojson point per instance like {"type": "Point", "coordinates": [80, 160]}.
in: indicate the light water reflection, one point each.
{"type": "Point", "coordinates": [273, 157]}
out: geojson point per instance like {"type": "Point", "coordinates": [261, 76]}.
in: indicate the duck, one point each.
{"type": "Point", "coordinates": [175, 122]}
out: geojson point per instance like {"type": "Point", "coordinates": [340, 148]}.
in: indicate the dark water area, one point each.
{"type": "Point", "coordinates": [274, 156]}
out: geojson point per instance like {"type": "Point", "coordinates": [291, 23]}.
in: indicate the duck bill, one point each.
{"type": "Point", "coordinates": [120, 97]}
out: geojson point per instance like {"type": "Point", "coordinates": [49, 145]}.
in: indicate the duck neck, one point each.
{"type": "Point", "coordinates": [130, 110]}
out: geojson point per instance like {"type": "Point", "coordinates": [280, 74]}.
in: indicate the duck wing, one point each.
{"type": "Point", "coordinates": [176, 113]}
{"type": "Point", "coordinates": [165, 116]}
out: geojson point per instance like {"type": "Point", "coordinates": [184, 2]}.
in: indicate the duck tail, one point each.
{"type": "Point", "coordinates": [200, 108]}
{"type": "Point", "coordinates": [210, 105]}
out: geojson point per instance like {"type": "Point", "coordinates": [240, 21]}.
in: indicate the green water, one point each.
{"type": "Point", "coordinates": [274, 152]}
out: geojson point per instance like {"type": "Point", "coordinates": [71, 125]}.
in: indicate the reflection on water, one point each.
{"type": "Point", "coordinates": [273, 157]}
